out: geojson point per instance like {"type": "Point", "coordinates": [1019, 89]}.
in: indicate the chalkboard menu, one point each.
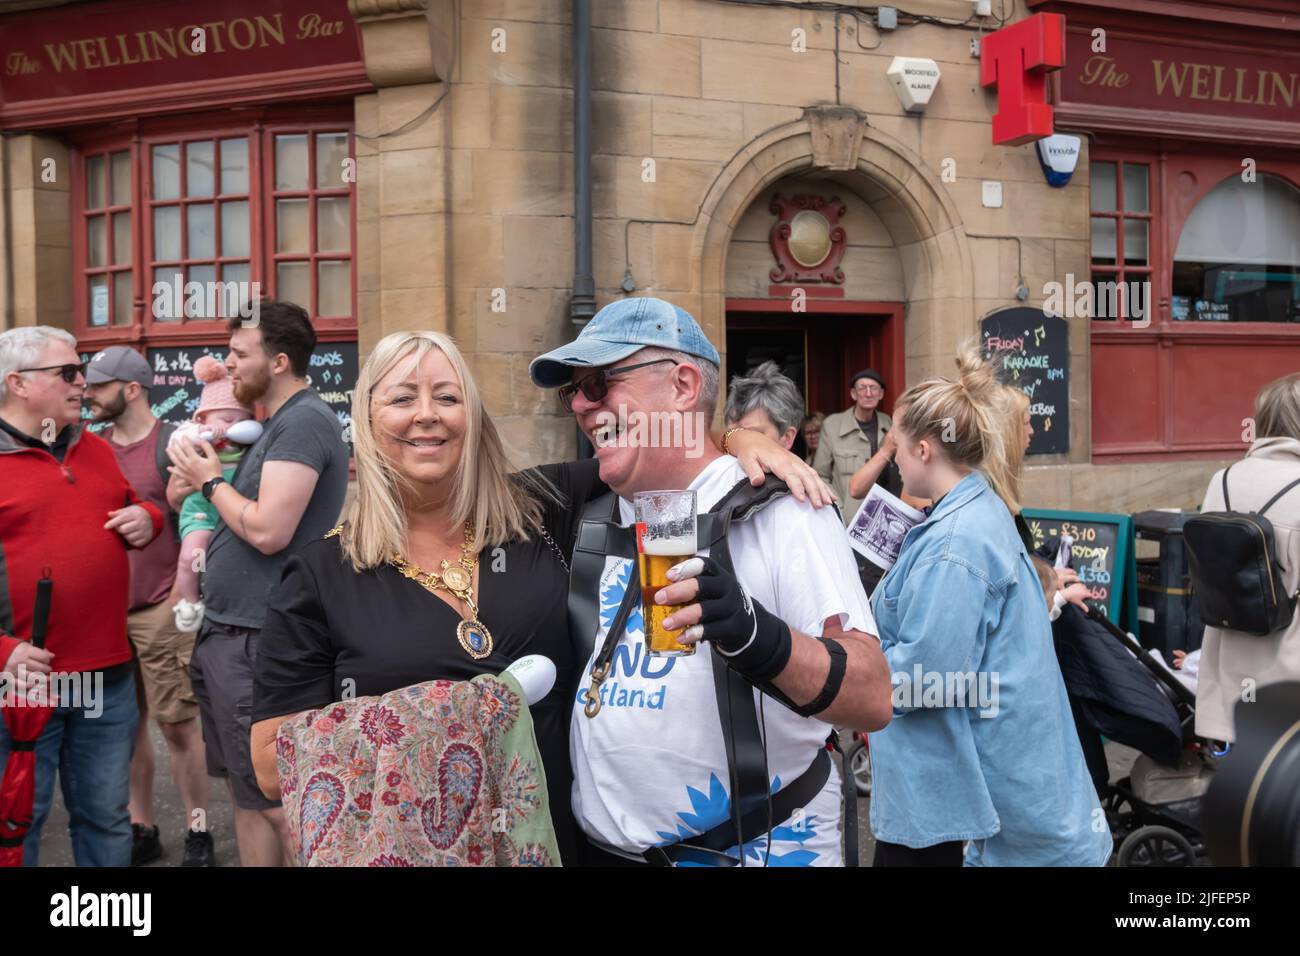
{"type": "Point", "coordinates": [85, 412]}
{"type": "Point", "coordinates": [1102, 553]}
{"type": "Point", "coordinates": [1031, 351]}
{"type": "Point", "coordinates": [175, 393]}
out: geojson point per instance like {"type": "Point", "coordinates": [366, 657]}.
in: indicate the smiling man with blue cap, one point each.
{"type": "Point", "coordinates": [773, 603]}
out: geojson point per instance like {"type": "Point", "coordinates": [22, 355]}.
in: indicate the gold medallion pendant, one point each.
{"type": "Point", "coordinates": [457, 578]}
{"type": "Point", "coordinates": [475, 638]}
{"type": "Point", "coordinates": [473, 634]}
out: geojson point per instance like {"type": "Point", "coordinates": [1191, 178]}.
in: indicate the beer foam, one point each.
{"type": "Point", "coordinates": [668, 547]}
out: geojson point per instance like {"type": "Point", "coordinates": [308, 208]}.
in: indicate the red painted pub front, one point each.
{"type": "Point", "coordinates": [208, 143]}
{"type": "Point", "coordinates": [1192, 110]}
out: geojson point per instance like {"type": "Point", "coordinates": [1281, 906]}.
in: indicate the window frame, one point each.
{"type": "Point", "coordinates": [1157, 271]}
{"type": "Point", "coordinates": [259, 126]}
{"type": "Point", "coordinates": [270, 195]}
{"type": "Point", "coordinates": [152, 325]}
{"type": "Point", "coordinates": [1165, 351]}
{"type": "Point", "coordinates": [81, 244]}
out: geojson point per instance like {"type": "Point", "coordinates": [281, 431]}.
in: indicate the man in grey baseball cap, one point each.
{"type": "Point", "coordinates": [119, 363]}
{"type": "Point", "coordinates": [117, 393]}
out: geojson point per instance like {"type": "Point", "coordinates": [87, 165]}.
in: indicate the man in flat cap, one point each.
{"type": "Point", "coordinates": [118, 380]}
{"type": "Point", "coordinates": [859, 438]}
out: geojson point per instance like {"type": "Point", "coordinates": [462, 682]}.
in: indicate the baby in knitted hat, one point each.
{"type": "Point", "coordinates": [228, 424]}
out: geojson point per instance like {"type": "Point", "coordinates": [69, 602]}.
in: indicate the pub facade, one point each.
{"type": "Point", "coordinates": [403, 164]}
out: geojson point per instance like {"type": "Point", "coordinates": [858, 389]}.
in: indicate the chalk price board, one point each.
{"type": "Point", "coordinates": [1102, 553]}
{"type": "Point", "coordinates": [1031, 351]}
{"type": "Point", "coordinates": [175, 393]}
{"type": "Point", "coordinates": [95, 427]}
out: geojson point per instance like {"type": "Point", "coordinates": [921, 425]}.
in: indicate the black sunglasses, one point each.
{"type": "Point", "coordinates": [596, 387]}
{"type": "Point", "coordinates": [68, 373]}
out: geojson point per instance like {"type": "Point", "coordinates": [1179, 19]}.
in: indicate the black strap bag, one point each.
{"type": "Point", "coordinates": [1236, 578]}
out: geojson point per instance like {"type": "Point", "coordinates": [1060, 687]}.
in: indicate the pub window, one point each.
{"type": "Point", "coordinates": [1121, 240]}
{"type": "Point", "coordinates": [1238, 258]}
{"type": "Point", "coordinates": [313, 222]}
{"type": "Point", "coordinates": [199, 219]}
{"type": "Point", "coordinates": [270, 205]}
{"type": "Point", "coordinates": [106, 225]}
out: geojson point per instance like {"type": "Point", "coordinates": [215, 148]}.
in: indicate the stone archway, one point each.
{"type": "Point", "coordinates": [840, 144]}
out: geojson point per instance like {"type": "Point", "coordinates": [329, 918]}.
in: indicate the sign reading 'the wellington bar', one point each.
{"type": "Point", "coordinates": [1143, 73]}
{"type": "Point", "coordinates": [109, 47]}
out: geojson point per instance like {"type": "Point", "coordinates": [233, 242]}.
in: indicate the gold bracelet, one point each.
{"type": "Point", "coordinates": [728, 433]}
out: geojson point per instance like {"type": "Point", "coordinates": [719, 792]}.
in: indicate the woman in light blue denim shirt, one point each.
{"type": "Point", "coordinates": [982, 747]}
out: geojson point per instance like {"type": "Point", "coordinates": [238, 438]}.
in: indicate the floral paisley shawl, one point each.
{"type": "Point", "coordinates": [444, 773]}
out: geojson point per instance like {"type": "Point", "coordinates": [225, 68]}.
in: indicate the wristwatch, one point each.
{"type": "Point", "coordinates": [210, 486]}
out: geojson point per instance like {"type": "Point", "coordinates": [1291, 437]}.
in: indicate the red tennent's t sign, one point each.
{"type": "Point", "coordinates": [1017, 59]}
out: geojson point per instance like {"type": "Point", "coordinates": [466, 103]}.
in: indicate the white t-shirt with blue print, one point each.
{"type": "Point", "coordinates": [650, 768]}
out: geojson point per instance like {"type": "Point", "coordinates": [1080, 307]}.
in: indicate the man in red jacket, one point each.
{"type": "Point", "coordinates": [65, 506]}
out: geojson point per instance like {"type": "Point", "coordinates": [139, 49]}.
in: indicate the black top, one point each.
{"type": "Point", "coordinates": [327, 624]}
{"type": "Point", "coordinates": [870, 429]}
{"type": "Point", "coordinates": [890, 478]}
{"type": "Point", "coordinates": [58, 449]}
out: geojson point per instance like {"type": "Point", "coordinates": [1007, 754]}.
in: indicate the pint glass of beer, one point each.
{"type": "Point", "coordinates": [665, 536]}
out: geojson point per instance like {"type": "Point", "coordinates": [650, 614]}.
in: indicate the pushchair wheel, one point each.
{"type": "Point", "coordinates": [858, 760]}
{"type": "Point", "coordinates": [1156, 846]}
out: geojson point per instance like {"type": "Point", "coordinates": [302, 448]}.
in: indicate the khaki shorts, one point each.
{"type": "Point", "coordinates": [164, 656]}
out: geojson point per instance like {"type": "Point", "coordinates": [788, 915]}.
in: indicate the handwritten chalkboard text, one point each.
{"type": "Point", "coordinates": [1030, 351]}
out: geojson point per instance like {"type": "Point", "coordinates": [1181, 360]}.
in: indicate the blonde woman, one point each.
{"type": "Point", "coordinates": [1060, 585]}
{"type": "Point", "coordinates": [992, 757]}
{"type": "Point", "coordinates": [357, 612]}
{"type": "Point", "coordinates": [1232, 660]}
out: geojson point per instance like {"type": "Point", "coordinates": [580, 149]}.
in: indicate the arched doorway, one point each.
{"type": "Point", "coordinates": [818, 331]}
{"type": "Point", "coordinates": [919, 269]}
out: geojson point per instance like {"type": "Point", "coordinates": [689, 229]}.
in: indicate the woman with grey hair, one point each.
{"type": "Point", "coordinates": [766, 401]}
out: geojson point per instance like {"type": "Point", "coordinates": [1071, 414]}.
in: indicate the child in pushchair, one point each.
{"type": "Point", "coordinates": [1120, 692]}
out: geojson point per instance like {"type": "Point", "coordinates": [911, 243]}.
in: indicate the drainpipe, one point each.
{"type": "Point", "coordinates": [582, 305]}
{"type": "Point", "coordinates": [7, 318]}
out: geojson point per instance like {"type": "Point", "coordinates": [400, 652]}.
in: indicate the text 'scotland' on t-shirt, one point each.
{"type": "Point", "coordinates": [238, 577]}
{"type": "Point", "coordinates": [651, 768]}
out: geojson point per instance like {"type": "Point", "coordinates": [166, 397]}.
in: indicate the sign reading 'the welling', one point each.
{"type": "Point", "coordinates": [131, 44]}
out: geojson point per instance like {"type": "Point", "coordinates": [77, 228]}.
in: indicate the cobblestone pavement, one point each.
{"type": "Point", "coordinates": [56, 850]}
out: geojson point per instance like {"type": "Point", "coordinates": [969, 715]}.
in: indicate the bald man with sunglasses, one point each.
{"type": "Point", "coordinates": [67, 511]}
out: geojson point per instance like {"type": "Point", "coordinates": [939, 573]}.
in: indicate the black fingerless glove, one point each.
{"type": "Point", "coordinates": [750, 639]}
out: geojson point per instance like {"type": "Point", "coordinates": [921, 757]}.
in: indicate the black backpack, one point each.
{"type": "Point", "coordinates": [1236, 578]}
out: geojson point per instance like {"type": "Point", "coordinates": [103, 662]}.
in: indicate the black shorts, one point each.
{"type": "Point", "coordinates": [221, 671]}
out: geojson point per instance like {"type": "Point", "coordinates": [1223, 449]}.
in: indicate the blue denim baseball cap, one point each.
{"type": "Point", "coordinates": [618, 330]}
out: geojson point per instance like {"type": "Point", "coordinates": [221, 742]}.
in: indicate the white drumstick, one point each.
{"type": "Point", "coordinates": [536, 676]}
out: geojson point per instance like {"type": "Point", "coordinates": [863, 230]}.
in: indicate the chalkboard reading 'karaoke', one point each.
{"type": "Point", "coordinates": [1030, 350]}
{"type": "Point", "coordinates": [175, 392]}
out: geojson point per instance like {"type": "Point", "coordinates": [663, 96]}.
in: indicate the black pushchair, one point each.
{"type": "Point", "coordinates": [1117, 691]}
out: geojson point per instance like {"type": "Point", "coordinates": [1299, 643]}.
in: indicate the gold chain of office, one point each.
{"type": "Point", "coordinates": [458, 578]}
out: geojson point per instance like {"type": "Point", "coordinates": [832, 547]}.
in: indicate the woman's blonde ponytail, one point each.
{"type": "Point", "coordinates": [974, 419]}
